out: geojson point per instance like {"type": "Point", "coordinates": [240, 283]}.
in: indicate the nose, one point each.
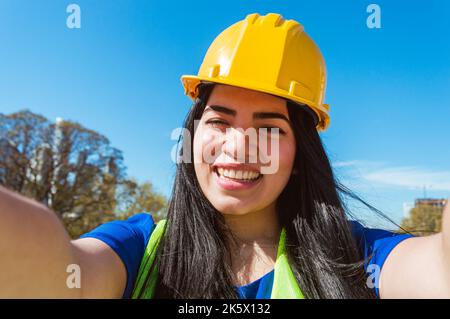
{"type": "Point", "coordinates": [241, 145]}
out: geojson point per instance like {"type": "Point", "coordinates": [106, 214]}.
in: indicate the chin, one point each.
{"type": "Point", "coordinates": [233, 212]}
{"type": "Point", "coordinates": [234, 206]}
{"type": "Point", "coordinates": [231, 207]}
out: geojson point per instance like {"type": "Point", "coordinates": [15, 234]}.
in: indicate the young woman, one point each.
{"type": "Point", "coordinates": [247, 218]}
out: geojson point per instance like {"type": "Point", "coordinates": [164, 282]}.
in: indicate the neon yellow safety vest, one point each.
{"type": "Point", "coordinates": [284, 283]}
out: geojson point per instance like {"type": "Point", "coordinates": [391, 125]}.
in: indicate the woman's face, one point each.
{"type": "Point", "coordinates": [242, 165]}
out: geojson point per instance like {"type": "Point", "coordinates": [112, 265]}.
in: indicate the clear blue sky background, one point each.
{"type": "Point", "coordinates": [389, 88]}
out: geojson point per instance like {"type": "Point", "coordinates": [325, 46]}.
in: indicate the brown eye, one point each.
{"type": "Point", "coordinates": [216, 123]}
{"type": "Point", "coordinates": [268, 128]}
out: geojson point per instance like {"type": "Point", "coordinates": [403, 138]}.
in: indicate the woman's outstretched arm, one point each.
{"type": "Point", "coordinates": [38, 259]}
{"type": "Point", "coordinates": [419, 267]}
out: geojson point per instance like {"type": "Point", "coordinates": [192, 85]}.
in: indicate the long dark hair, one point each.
{"type": "Point", "coordinates": [327, 263]}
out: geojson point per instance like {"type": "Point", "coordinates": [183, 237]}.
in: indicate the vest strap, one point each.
{"type": "Point", "coordinates": [146, 263]}
{"type": "Point", "coordinates": [285, 285]}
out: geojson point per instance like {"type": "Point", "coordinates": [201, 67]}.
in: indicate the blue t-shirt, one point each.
{"type": "Point", "coordinates": [128, 238]}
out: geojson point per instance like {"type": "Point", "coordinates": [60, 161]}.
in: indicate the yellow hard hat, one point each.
{"type": "Point", "coordinates": [267, 54]}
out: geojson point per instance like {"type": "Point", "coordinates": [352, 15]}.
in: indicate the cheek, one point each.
{"type": "Point", "coordinates": [207, 144]}
{"type": "Point", "coordinates": [205, 150]}
{"type": "Point", "coordinates": [287, 155]}
{"type": "Point", "coordinates": [199, 165]}
{"type": "Point", "coordinates": [283, 169]}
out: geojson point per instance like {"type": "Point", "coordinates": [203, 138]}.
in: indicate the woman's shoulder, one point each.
{"type": "Point", "coordinates": [128, 238]}
{"type": "Point", "coordinates": [371, 238]}
{"type": "Point", "coordinates": [376, 245]}
{"type": "Point", "coordinates": [137, 228]}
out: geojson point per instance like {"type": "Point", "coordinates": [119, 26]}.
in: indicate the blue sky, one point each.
{"type": "Point", "coordinates": [389, 88]}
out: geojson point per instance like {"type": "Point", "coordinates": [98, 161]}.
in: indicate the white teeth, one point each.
{"type": "Point", "coordinates": [253, 175]}
{"type": "Point", "coordinates": [236, 174]}
{"type": "Point", "coordinates": [230, 173]}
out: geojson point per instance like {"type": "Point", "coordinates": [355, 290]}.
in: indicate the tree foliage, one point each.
{"type": "Point", "coordinates": [136, 198]}
{"type": "Point", "coordinates": [423, 220]}
{"type": "Point", "coordinates": [71, 169]}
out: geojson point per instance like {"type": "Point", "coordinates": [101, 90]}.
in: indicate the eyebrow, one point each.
{"type": "Point", "coordinates": [256, 115]}
{"type": "Point", "coordinates": [220, 109]}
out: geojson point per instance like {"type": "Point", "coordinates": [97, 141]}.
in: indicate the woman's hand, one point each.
{"type": "Point", "coordinates": [37, 256]}
{"type": "Point", "coordinates": [419, 267]}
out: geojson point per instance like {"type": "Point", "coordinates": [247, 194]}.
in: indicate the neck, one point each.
{"type": "Point", "coordinates": [253, 243]}
{"type": "Point", "coordinates": [258, 227]}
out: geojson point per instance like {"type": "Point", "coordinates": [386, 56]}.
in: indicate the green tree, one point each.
{"type": "Point", "coordinates": [136, 198]}
{"type": "Point", "coordinates": [423, 220]}
{"type": "Point", "coordinates": [71, 169]}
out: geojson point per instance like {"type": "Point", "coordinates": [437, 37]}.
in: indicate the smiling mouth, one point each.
{"type": "Point", "coordinates": [244, 176]}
